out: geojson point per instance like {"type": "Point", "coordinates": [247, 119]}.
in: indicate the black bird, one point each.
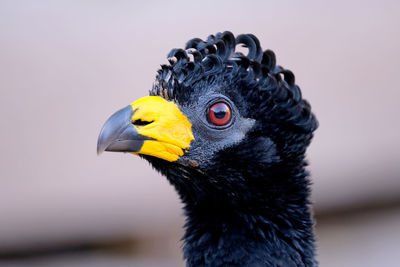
{"type": "Point", "coordinates": [229, 131]}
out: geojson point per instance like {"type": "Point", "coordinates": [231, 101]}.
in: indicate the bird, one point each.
{"type": "Point", "coordinates": [229, 129]}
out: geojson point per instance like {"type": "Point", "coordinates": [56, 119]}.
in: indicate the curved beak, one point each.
{"type": "Point", "coordinates": [150, 126]}
{"type": "Point", "coordinates": [119, 135]}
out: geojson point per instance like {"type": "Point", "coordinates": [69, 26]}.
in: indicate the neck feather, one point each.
{"type": "Point", "coordinates": [267, 225]}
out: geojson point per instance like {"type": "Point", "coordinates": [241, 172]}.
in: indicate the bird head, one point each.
{"type": "Point", "coordinates": [213, 110]}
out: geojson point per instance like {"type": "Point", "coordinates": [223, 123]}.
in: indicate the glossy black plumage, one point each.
{"type": "Point", "coordinates": [245, 193]}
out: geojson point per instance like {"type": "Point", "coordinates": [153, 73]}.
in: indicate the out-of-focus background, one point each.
{"type": "Point", "coordinates": [65, 66]}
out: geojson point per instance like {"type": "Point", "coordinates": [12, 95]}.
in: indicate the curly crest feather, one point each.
{"type": "Point", "coordinates": [259, 75]}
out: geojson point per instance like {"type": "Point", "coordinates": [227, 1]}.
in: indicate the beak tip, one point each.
{"type": "Point", "coordinates": [118, 134]}
{"type": "Point", "coordinates": [101, 146]}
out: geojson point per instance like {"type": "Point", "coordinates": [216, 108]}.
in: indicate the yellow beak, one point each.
{"type": "Point", "coordinates": [151, 126]}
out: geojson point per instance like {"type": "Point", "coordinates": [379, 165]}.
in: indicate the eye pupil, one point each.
{"type": "Point", "coordinates": [219, 114]}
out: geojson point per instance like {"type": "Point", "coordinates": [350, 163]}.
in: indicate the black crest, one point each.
{"type": "Point", "coordinates": [257, 70]}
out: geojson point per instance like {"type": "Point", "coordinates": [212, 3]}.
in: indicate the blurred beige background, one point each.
{"type": "Point", "coordinates": [65, 66]}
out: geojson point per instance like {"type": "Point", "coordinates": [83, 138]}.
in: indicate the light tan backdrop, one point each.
{"type": "Point", "coordinates": [65, 66]}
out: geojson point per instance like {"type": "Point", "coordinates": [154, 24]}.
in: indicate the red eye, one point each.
{"type": "Point", "coordinates": [219, 113]}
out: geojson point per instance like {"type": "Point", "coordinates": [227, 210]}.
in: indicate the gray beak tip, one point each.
{"type": "Point", "coordinates": [119, 135]}
{"type": "Point", "coordinates": [99, 151]}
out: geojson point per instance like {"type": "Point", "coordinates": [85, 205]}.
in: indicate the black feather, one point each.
{"type": "Point", "coordinates": [247, 204]}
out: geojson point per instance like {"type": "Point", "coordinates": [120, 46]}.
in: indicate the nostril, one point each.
{"type": "Point", "coordinates": [141, 123]}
